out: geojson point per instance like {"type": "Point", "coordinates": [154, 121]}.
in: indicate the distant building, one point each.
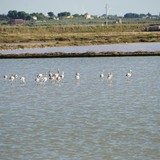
{"type": "Point", "coordinates": [68, 17]}
{"type": "Point", "coordinates": [17, 21]}
{"type": "Point", "coordinates": [119, 21]}
{"type": "Point", "coordinates": [87, 16]}
{"type": "Point", "coordinates": [34, 18]}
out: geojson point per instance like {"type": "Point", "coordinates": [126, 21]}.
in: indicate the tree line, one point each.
{"type": "Point", "coordinates": [135, 15]}
{"type": "Point", "coordinates": [14, 14]}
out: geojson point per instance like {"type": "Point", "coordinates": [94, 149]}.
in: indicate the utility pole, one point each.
{"type": "Point", "coordinates": [106, 7]}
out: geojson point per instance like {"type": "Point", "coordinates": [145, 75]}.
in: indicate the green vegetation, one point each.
{"type": "Point", "coordinates": [19, 15]}
{"type": "Point", "coordinates": [64, 18]}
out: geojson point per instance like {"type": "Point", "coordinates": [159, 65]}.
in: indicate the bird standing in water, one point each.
{"type": "Point", "coordinates": [110, 76]}
{"type": "Point", "coordinates": [77, 76]}
{"type": "Point", "coordinates": [129, 74]}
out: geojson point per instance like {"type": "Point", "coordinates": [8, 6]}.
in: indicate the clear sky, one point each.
{"type": "Point", "coordinates": [94, 7]}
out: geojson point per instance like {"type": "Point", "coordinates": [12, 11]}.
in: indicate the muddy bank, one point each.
{"type": "Point", "coordinates": [86, 54]}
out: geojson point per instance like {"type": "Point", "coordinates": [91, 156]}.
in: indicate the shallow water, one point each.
{"type": "Point", "coordinates": [87, 119]}
{"type": "Point", "coordinates": [130, 47]}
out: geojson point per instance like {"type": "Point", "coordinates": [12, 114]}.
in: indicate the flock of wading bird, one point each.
{"type": "Point", "coordinates": [42, 79]}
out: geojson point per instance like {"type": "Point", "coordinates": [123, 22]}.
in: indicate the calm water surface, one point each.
{"type": "Point", "coordinates": [126, 47]}
{"type": "Point", "coordinates": [81, 120]}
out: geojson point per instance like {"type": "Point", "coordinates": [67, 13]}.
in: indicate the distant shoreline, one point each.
{"type": "Point", "coordinates": [72, 55]}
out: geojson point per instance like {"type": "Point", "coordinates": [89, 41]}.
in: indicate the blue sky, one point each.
{"type": "Point", "coordinates": [95, 7]}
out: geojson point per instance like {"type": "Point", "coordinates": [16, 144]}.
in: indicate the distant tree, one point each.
{"type": "Point", "coordinates": [64, 14]}
{"type": "Point", "coordinates": [131, 15]}
{"type": "Point", "coordinates": [24, 15]}
{"type": "Point", "coordinates": [142, 15]}
{"type": "Point", "coordinates": [149, 15]}
{"type": "Point", "coordinates": [18, 15]}
{"type": "Point", "coordinates": [21, 15]}
{"type": "Point", "coordinates": [51, 14]}
{"type": "Point", "coordinates": [3, 17]}
{"type": "Point", "coordinates": [28, 17]}
{"type": "Point", "coordinates": [77, 15]}
{"type": "Point", "coordinates": [12, 14]}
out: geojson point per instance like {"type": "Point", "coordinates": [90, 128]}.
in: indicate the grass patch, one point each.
{"type": "Point", "coordinates": [68, 35]}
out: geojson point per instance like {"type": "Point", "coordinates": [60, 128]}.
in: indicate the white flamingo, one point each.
{"type": "Point", "coordinates": [101, 75]}
{"type": "Point", "coordinates": [110, 76]}
{"type": "Point", "coordinates": [15, 76]}
{"type": "Point", "coordinates": [77, 76]}
{"type": "Point", "coordinates": [5, 76]}
{"type": "Point", "coordinates": [39, 75]}
{"type": "Point", "coordinates": [12, 78]}
{"type": "Point", "coordinates": [60, 76]}
{"type": "Point", "coordinates": [50, 75]}
{"type": "Point", "coordinates": [23, 79]}
{"type": "Point", "coordinates": [129, 74]}
{"type": "Point", "coordinates": [54, 76]}
{"type": "Point", "coordinates": [37, 79]}
{"type": "Point", "coordinates": [44, 79]}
